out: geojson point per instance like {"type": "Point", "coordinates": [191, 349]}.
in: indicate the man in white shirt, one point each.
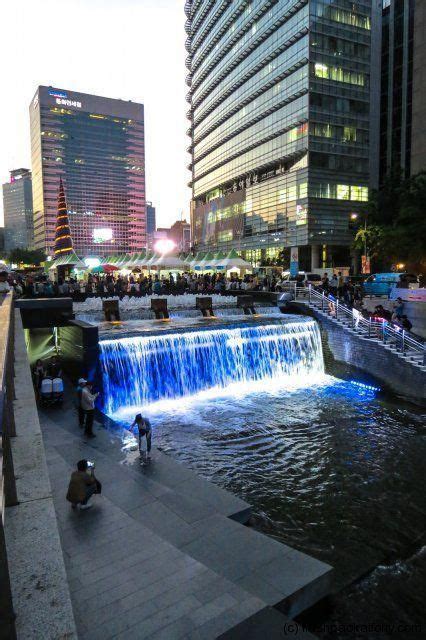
{"type": "Point", "coordinates": [88, 405]}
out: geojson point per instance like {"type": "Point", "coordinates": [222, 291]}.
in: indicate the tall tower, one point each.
{"type": "Point", "coordinates": [18, 210]}
{"type": "Point", "coordinates": [63, 238]}
{"type": "Point", "coordinates": [96, 145]}
{"type": "Point", "coordinates": [280, 124]}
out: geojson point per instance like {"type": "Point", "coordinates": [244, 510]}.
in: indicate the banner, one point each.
{"type": "Point", "coordinates": [294, 261]}
{"type": "Point", "coordinates": [365, 264]}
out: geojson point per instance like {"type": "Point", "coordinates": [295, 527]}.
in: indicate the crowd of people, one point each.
{"type": "Point", "coordinates": [143, 284]}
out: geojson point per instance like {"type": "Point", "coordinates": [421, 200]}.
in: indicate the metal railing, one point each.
{"type": "Point", "coordinates": [381, 330]}
{"type": "Point", "coordinates": [8, 496]}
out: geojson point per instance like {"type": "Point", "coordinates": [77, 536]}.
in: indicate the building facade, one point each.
{"type": "Point", "coordinates": [418, 129]}
{"type": "Point", "coordinates": [96, 145]}
{"type": "Point", "coordinates": [151, 223]}
{"type": "Point", "coordinates": [280, 113]}
{"type": "Point", "coordinates": [396, 86]}
{"type": "Point", "coordinates": [18, 210]}
{"type": "Point", "coordinates": [403, 88]}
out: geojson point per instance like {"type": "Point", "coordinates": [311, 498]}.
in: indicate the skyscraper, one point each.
{"type": "Point", "coordinates": [281, 124]}
{"type": "Point", "coordinates": [403, 88]}
{"type": "Point", "coordinates": [96, 145]}
{"type": "Point", "coordinates": [150, 218]}
{"type": "Point", "coordinates": [18, 210]}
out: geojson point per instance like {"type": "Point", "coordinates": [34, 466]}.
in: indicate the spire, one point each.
{"type": "Point", "coordinates": [63, 240]}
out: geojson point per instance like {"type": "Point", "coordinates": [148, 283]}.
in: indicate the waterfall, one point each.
{"type": "Point", "coordinates": [139, 371]}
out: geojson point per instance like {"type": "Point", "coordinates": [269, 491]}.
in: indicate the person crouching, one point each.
{"type": "Point", "coordinates": [82, 485]}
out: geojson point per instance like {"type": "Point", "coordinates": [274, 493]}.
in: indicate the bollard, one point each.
{"type": "Point", "coordinates": [205, 305]}
{"type": "Point", "coordinates": [246, 303]}
{"type": "Point", "coordinates": [111, 309]}
{"type": "Point", "coordinates": [159, 307]}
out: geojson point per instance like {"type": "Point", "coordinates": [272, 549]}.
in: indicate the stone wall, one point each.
{"type": "Point", "coordinates": [41, 598]}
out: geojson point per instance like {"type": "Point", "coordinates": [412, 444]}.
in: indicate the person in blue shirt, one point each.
{"type": "Point", "coordinates": [144, 435]}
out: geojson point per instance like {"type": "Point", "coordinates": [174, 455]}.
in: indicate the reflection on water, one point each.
{"type": "Point", "coordinates": [331, 470]}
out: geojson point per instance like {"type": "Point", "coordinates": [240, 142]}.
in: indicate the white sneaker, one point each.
{"type": "Point", "coordinates": [82, 507]}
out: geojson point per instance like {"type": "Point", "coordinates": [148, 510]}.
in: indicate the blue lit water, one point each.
{"type": "Point", "coordinates": [142, 370]}
{"type": "Point", "coordinates": [331, 468]}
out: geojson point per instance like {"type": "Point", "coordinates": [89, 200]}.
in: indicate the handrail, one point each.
{"type": "Point", "coordinates": [381, 330]}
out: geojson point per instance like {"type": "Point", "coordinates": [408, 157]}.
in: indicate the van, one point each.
{"type": "Point", "coordinates": [381, 284]}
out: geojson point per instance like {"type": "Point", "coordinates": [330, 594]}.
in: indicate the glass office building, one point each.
{"type": "Point", "coordinates": [280, 116]}
{"type": "Point", "coordinates": [18, 210]}
{"type": "Point", "coordinates": [97, 146]}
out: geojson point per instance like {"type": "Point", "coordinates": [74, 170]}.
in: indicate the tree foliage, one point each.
{"type": "Point", "coordinates": [27, 256]}
{"type": "Point", "coordinates": [396, 223]}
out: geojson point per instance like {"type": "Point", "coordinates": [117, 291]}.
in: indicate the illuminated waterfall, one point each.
{"type": "Point", "coordinates": [139, 371]}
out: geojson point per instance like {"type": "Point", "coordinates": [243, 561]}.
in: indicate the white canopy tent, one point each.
{"type": "Point", "coordinates": [170, 262]}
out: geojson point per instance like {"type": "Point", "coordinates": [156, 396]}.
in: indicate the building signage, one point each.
{"type": "Point", "coordinates": [68, 103]}
{"type": "Point", "coordinates": [58, 94]}
{"type": "Point", "coordinates": [294, 261]}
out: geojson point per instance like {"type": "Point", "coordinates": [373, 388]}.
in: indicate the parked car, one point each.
{"type": "Point", "coordinates": [381, 284]}
{"type": "Point", "coordinates": [314, 279]}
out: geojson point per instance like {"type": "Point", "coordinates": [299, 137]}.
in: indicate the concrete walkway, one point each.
{"type": "Point", "coordinates": [159, 555]}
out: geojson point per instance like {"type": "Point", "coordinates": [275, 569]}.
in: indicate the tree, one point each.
{"type": "Point", "coordinates": [395, 229]}
{"type": "Point", "coordinates": [27, 256]}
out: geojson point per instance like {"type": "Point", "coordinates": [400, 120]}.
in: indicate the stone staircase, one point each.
{"type": "Point", "coordinates": [412, 354]}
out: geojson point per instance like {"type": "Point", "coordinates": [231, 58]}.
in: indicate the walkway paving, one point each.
{"type": "Point", "coordinates": [159, 555]}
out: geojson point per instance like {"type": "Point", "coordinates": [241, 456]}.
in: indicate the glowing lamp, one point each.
{"type": "Point", "coordinates": [92, 262]}
{"type": "Point", "coordinates": [354, 216]}
{"type": "Point", "coordinates": [400, 266]}
{"type": "Point", "coordinates": [163, 246]}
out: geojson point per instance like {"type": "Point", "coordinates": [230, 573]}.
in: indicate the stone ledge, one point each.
{"type": "Point", "coordinates": [40, 592]}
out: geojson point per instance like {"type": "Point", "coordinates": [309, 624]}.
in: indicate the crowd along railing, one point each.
{"type": "Point", "coordinates": [379, 329]}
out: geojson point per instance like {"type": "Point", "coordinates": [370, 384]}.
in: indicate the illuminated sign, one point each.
{"type": "Point", "coordinates": [68, 103]}
{"type": "Point", "coordinates": [102, 235]}
{"type": "Point", "coordinates": [58, 94]}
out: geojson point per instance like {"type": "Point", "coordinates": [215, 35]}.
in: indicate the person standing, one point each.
{"type": "Point", "coordinates": [88, 405]}
{"type": "Point", "coordinates": [81, 384]}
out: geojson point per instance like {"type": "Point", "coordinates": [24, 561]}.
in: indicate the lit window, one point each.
{"type": "Point", "coordinates": [303, 190]}
{"type": "Point", "coordinates": [321, 70]}
{"type": "Point", "coordinates": [359, 194]}
{"type": "Point", "coordinates": [343, 192]}
{"type": "Point", "coordinates": [225, 236]}
{"type": "Point", "coordinates": [349, 134]}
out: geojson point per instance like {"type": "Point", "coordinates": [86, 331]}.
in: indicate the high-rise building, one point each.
{"type": "Point", "coordinates": [96, 145]}
{"type": "Point", "coordinates": [18, 210]}
{"type": "Point", "coordinates": [418, 129]}
{"type": "Point", "coordinates": [396, 86]}
{"type": "Point", "coordinates": [180, 233]}
{"type": "Point", "coordinates": [150, 218]}
{"type": "Point", "coordinates": [403, 88]}
{"type": "Point", "coordinates": [284, 128]}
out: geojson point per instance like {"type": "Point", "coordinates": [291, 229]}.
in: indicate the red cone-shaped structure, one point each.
{"type": "Point", "coordinates": [63, 240]}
